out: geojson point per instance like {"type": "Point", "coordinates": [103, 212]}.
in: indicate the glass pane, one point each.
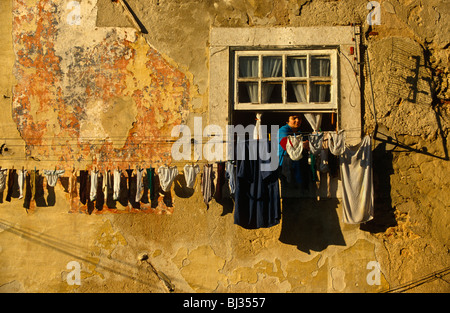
{"type": "Point", "coordinates": [272, 66]}
{"type": "Point", "coordinates": [248, 66]}
{"type": "Point", "coordinates": [320, 92]}
{"type": "Point", "coordinates": [247, 92]}
{"type": "Point", "coordinates": [271, 93]}
{"type": "Point", "coordinates": [296, 66]}
{"type": "Point", "coordinates": [320, 66]}
{"type": "Point", "coordinates": [297, 92]}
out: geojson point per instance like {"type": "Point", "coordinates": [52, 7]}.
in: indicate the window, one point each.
{"type": "Point", "coordinates": [285, 80]}
{"type": "Point", "coordinates": [326, 68]}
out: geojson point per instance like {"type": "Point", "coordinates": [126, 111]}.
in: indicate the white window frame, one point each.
{"type": "Point", "coordinates": [330, 106]}
{"type": "Point", "coordinates": [345, 39]}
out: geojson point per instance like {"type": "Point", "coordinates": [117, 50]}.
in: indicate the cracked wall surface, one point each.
{"type": "Point", "coordinates": [101, 94]}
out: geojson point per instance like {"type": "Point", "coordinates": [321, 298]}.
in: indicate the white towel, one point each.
{"type": "Point", "coordinates": [167, 176]}
{"type": "Point", "coordinates": [139, 184]}
{"type": "Point", "coordinates": [294, 147]}
{"type": "Point", "coordinates": [336, 142]}
{"type": "Point", "coordinates": [94, 183]}
{"type": "Point", "coordinates": [52, 176]}
{"type": "Point", "coordinates": [357, 182]}
{"type": "Point", "coordinates": [21, 180]}
{"type": "Point", "coordinates": [190, 172]}
{"type": "Point", "coordinates": [116, 191]}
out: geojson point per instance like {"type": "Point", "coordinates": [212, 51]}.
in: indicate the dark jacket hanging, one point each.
{"type": "Point", "coordinates": [257, 196]}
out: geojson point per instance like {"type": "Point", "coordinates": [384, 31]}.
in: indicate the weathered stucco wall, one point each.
{"type": "Point", "coordinates": [100, 94]}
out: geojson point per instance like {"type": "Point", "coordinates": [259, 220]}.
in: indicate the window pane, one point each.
{"type": "Point", "coordinates": [296, 66]}
{"type": "Point", "coordinates": [271, 93]}
{"type": "Point", "coordinates": [248, 66]}
{"type": "Point", "coordinates": [247, 92]}
{"type": "Point", "coordinates": [272, 66]}
{"type": "Point", "coordinates": [320, 66]}
{"type": "Point", "coordinates": [297, 92]}
{"type": "Point", "coordinates": [320, 92]}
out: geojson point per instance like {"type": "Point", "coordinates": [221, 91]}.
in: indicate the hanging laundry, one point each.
{"type": "Point", "coordinates": [294, 147]}
{"type": "Point", "coordinates": [167, 176]}
{"type": "Point", "coordinates": [257, 130]}
{"type": "Point", "coordinates": [230, 174]}
{"type": "Point", "coordinates": [314, 119]}
{"type": "Point", "coordinates": [131, 188]}
{"type": "Point", "coordinates": [21, 181]}
{"type": "Point", "coordinates": [336, 142]}
{"type": "Point", "coordinates": [106, 178]}
{"type": "Point", "coordinates": [116, 180]}
{"type": "Point", "coordinates": [3, 174]}
{"type": "Point", "coordinates": [52, 176]}
{"type": "Point", "coordinates": [27, 193]}
{"type": "Point", "coordinates": [150, 182]}
{"type": "Point", "coordinates": [139, 184]}
{"type": "Point", "coordinates": [357, 182]}
{"type": "Point", "coordinates": [220, 181]}
{"type": "Point", "coordinates": [315, 143]}
{"type": "Point", "coordinates": [323, 167]}
{"type": "Point", "coordinates": [94, 184]}
{"type": "Point", "coordinates": [11, 178]}
{"type": "Point", "coordinates": [33, 175]}
{"type": "Point", "coordinates": [190, 172]}
{"type": "Point", "coordinates": [207, 183]}
{"type": "Point", "coordinates": [100, 199]}
{"type": "Point", "coordinates": [73, 184]}
{"type": "Point", "coordinates": [257, 197]}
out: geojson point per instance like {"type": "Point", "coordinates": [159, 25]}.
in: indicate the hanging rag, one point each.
{"type": "Point", "coordinates": [139, 184]}
{"type": "Point", "coordinates": [150, 182]}
{"type": "Point", "coordinates": [21, 181]}
{"type": "Point", "coordinates": [105, 181]}
{"type": "Point", "coordinates": [167, 176]}
{"type": "Point", "coordinates": [190, 172]}
{"type": "Point", "coordinates": [336, 142]}
{"type": "Point", "coordinates": [33, 175]}
{"type": "Point", "coordinates": [131, 187]}
{"type": "Point", "coordinates": [315, 143]}
{"type": "Point", "coordinates": [116, 180]}
{"type": "Point", "coordinates": [294, 147]}
{"type": "Point", "coordinates": [314, 119]}
{"type": "Point", "coordinates": [357, 182]}
{"type": "Point", "coordinates": [73, 184]}
{"type": "Point", "coordinates": [257, 129]}
{"type": "Point", "coordinates": [52, 176]}
{"type": "Point", "coordinates": [220, 181]}
{"type": "Point", "coordinates": [3, 174]}
{"type": "Point", "coordinates": [230, 174]}
{"type": "Point", "coordinates": [94, 185]}
{"type": "Point", "coordinates": [84, 186]}
{"type": "Point", "coordinates": [207, 183]}
{"type": "Point", "coordinates": [11, 178]}
{"type": "Point", "coordinates": [257, 198]}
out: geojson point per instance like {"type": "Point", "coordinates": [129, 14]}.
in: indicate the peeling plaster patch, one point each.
{"type": "Point", "coordinates": [80, 81]}
{"type": "Point", "coordinates": [203, 271]}
{"type": "Point", "coordinates": [338, 279]}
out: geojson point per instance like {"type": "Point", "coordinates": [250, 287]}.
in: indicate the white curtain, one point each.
{"type": "Point", "coordinates": [320, 67]}
{"type": "Point", "coordinates": [297, 68]}
{"type": "Point", "coordinates": [271, 68]}
{"type": "Point", "coordinates": [314, 119]}
{"type": "Point", "coordinates": [320, 92]}
{"type": "Point", "coordinates": [248, 67]}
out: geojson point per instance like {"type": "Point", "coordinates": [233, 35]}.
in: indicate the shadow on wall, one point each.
{"type": "Point", "coordinates": [383, 211]}
{"type": "Point", "coordinates": [310, 225]}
